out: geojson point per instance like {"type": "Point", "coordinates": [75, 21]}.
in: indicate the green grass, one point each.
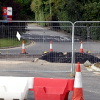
{"type": "Point", "coordinates": [8, 42]}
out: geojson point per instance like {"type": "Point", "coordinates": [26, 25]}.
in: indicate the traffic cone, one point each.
{"type": "Point", "coordinates": [81, 48]}
{"type": "Point", "coordinates": [51, 46]}
{"type": "Point", "coordinates": [78, 91]}
{"type": "Point", "coordinates": [23, 48]}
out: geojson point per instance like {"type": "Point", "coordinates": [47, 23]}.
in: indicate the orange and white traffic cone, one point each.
{"type": "Point", "coordinates": [78, 91]}
{"type": "Point", "coordinates": [81, 48]}
{"type": "Point", "coordinates": [51, 46]}
{"type": "Point", "coordinates": [23, 48]}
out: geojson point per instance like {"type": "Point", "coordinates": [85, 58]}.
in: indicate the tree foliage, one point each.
{"type": "Point", "coordinates": [92, 11]}
{"type": "Point", "coordinates": [41, 9]}
{"type": "Point", "coordinates": [62, 10]}
{"type": "Point", "coordinates": [72, 10]}
{"type": "Point", "coordinates": [26, 12]}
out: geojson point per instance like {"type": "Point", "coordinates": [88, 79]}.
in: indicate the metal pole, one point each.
{"type": "Point", "coordinates": [73, 65]}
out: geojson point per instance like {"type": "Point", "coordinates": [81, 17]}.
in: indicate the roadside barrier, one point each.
{"type": "Point", "coordinates": [81, 48]}
{"type": "Point", "coordinates": [51, 49]}
{"type": "Point", "coordinates": [52, 89]}
{"type": "Point", "coordinates": [23, 48]}
{"type": "Point", "coordinates": [12, 88]}
{"type": "Point", "coordinates": [44, 88]}
{"type": "Point", "coordinates": [15, 88]}
{"type": "Point", "coordinates": [78, 91]}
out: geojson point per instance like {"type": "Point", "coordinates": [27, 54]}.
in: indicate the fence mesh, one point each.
{"type": "Point", "coordinates": [50, 41]}
{"type": "Point", "coordinates": [88, 33]}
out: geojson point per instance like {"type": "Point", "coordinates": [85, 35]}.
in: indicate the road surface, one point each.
{"type": "Point", "coordinates": [91, 84]}
{"type": "Point", "coordinates": [40, 38]}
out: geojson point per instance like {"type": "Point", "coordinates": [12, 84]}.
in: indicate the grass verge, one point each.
{"type": "Point", "coordinates": [8, 42]}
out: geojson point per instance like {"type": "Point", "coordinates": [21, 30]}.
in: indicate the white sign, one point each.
{"type": "Point", "coordinates": [18, 36]}
{"type": "Point", "coordinates": [9, 10]}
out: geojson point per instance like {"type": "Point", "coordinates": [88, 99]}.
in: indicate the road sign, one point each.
{"type": "Point", "coordinates": [9, 11]}
{"type": "Point", "coordinates": [4, 10]}
{"type": "Point", "coordinates": [18, 36]}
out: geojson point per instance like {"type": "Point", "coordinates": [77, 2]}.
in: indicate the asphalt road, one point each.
{"type": "Point", "coordinates": [41, 38]}
{"type": "Point", "coordinates": [91, 84]}
{"type": "Point", "coordinates": [40, 47]}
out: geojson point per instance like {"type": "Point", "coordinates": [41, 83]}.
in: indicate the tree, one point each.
{"type": "Point", "coordinates": [26, 12]}
{"type": "Point", "coordinates": [92, 11]}
{"type": "Point", "coordinates": [40, 8]}
{"type": "Point", "coordinates": [71, 10]}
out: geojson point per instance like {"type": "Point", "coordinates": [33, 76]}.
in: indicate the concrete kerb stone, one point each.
{"type": "Point", "coordinates": [11, 62]}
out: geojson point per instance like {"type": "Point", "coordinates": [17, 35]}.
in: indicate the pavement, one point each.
{"type": "Point", "coordinates": [40, 68]}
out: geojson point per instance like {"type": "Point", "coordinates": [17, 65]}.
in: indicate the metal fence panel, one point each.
{"type": "Point", "coordinates": [88, 33]}
{"type": "Point", "coordinates": [53, 41]}
{"type": "Point", "coordinates": [39, 38]}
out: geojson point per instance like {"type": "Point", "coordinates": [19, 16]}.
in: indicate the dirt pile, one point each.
{"type": "Point", "coordinates": [66, 58]}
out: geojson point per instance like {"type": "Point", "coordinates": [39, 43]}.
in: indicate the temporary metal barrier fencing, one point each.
{"type": "Point", "coordinates": [88, 34]}
{"type": "Point", "coordinates": [49, 40]}
{"type": "Point", "coordinates": [42, 37]}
